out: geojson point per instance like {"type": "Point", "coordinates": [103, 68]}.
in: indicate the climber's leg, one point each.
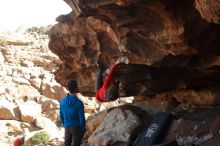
{"type": "Point", "coordinates": [100, 71]}
{"type": "Point", "coordinates": [112, 92]}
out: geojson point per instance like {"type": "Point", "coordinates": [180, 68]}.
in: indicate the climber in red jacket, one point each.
{"type": "Point", "coordinates": [109, 89]}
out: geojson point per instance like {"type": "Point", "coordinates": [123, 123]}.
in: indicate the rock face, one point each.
{"type": "Point", "coordinates": [8, 129]}
{"type": "Point", "coordinates": [158, 33]}
{"type": "Point", "coordinates": [6, 110]}
{"type": "Point", "coordinates": [209, 10]}
{"type": "Point", "coordinates": [29, 110]}
{"type": "Point", "coordinates": [28, 90]}
{"type": "Point", "coordinates": [198, 126]}
{"type": "Point", "coordinates": [116, 129]}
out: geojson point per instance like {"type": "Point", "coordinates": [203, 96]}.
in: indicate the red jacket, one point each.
{"type": "Point", "coordinates": [100, 94]}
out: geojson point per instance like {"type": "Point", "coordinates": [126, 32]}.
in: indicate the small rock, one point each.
{"type": "Point", "coordinates": [27, 63]}
{"type": "Point", "coordinates": [29, 111]}
{"type": "Point", "coordinates": [53, 115]}
{"type": "Point", "coordinates": [6, 110]}
{"type": "Point", "coordinates": [50, 104]}
{"type": "Point", "coordinates": [21, 81]}
{"type": "Point", "coordinates": [2, 89]}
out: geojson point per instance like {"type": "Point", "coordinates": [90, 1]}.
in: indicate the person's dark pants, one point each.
{"type": "Point", "coordinates": [73, 136]}
{"type": "Point", "coordinates": [99, 81]}
{"type": "Point", "coordinates": [112, 92]}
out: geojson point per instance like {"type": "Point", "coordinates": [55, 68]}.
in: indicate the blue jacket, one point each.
{"type": "Point", "coordinates": [72, 112]}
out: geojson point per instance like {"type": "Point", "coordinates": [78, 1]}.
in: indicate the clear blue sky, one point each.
{"type": "Point", "coordinates": [14, 13]}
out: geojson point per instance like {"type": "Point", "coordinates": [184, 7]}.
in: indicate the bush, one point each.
{"type": "Point", "coordinates": [40, 139]}
{"type": "Point", "coordinates": [3, 43]}
{"type": "Point", "coordinates": [32, 29]}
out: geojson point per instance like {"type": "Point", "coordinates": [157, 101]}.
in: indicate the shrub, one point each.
{"type": "Point", "coordinates": [32, 29]}
{"type": "Point", "coordinates": [40, 139]}
{"type": "Point", "coordinates": [3, 42]}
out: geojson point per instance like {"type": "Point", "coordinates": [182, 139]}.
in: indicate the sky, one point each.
{"type": "Point", "coordinates": [16, 13]}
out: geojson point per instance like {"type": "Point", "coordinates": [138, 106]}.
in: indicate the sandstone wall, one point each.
{"type": "Point", "coordinates": [153, 32]}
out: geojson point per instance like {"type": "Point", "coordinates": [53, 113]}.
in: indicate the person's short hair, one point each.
{"type": "Point", "coordinates": [72, 86]}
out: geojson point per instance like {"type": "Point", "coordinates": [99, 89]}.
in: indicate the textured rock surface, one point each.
{"type": "Point", "coordinates": [154, 33]}
{"type": "Point", "coordinates": [9, 130]}
{"type": "Point", "coordinates": [29, 111]}
{"type": "Point", "coordinates": [6, 110]}
{"type": "Point", "coordinates": [209, 10]}
{"type": "Point", "coordinates": [117, 127]}
{"type": "Point", "coordinates": [26, 67]}
{"type": "Point", "coordinates": [94, 121]}
{"type": "Point", "coordinates": [198, 126]}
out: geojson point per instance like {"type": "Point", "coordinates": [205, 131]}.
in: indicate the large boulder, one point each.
{"type": "Point", "coordinates": [52, 90]}
{"type": "Point", "coordinates": [197, 126]}
{"type": "Point", "coordinates": [19, 91]}
{"type": "Point", "coordinates": [117, 127]}
{"type": "Point", "coordinates": [6, 110]}
{"type": "Point", "coordinates": [94, 121]}
{"type": "Point", "coordinates": [48, 104]}
{"type": "Point", "coordinates": [110, 32]}
{"type": "Point", "coordinates": [29, 110]}
{"type": "Point", "coordinates": [151, 33]}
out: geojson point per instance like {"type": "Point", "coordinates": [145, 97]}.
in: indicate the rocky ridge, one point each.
{"type": "Point", "coordinates": [29, 92]}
